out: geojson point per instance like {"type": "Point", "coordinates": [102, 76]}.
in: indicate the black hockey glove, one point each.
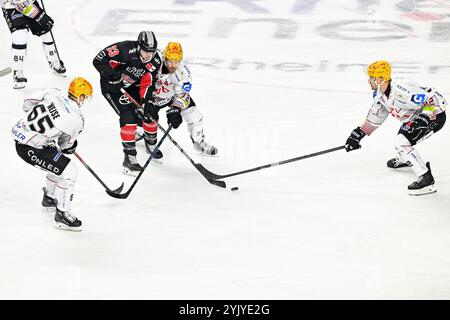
{"type": "Point", "coordinates": [70, 150]}
{"type": "Point", "coordinates": [44, 20]}
{"type": "Point", "coordinates": [352, 142]}
{"type": "Point", "coordinates": [150, 111]}
{"type": "Point", "coordinates": [174, 117]}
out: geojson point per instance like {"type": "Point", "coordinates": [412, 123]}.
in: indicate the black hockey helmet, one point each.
{"type": "Point", "coordinates": [147, 41]}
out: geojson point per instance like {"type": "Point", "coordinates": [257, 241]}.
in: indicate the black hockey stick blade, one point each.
{"type": "Point", "coordinates": [116, 194]}
{"type": "Point", "coordinates": [217, 183]}
{"type": "Point", "coordinates": [5, 71]}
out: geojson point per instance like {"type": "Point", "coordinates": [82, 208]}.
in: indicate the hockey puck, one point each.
{"type": "Point", "coordinates": [234, 189]}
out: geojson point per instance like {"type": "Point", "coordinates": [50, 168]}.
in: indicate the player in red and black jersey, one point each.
{"type": "Point", "coordinates": [132, 66]}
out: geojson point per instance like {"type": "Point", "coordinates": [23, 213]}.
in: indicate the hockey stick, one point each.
{"type": "Point", "coordinates": [5, 71]}
{"type": "Point", "coordinates": [210, 175]}
{"type": "Point", "coordinates": [125, 195]}
{"type": "Point", "coordinates": [51, 33]}
{"type": "Point", "coordinates": [196, 165]}
{"type": "Point", "coordinates": [118, 190]}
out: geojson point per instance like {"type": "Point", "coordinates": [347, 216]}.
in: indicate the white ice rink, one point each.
{"type": "Point", "coordinates": [274, 80]}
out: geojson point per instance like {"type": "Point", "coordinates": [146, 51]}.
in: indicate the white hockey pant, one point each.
{"type": "Point", "coordinates": [194, 120]}
{"type": "Point", "coordinates": [19, 48]}
{"type": "Point", "coordinates": [61, 187]}
{"type": "Point", "coordinates": [407, 152]}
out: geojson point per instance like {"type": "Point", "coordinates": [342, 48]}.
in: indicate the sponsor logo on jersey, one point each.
{"type": "Point", "coordinates": [15, 131]}
{"type": "Point", "coordinates": [402, 88]}
{"type": "Point", "coordinates": [123, 100]}
{"type": "Point", "coordinates": [132, 50]}
{"type": "Point", "coordinates": [136, 72]}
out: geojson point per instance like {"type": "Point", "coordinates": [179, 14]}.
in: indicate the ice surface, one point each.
{"type": "Point", "coordinates": [339, 225]}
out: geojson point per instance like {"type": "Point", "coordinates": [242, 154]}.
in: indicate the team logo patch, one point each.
{"type": "Point", "coordinates": [57, 156]}
{"type": "Point", "coordinates": [187, 86]}
{"type": "Point", "coordinates": [418, 98]}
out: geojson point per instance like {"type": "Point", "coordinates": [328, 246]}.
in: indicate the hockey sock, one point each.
{"type": "Point", "coordinates": [49, 47]}
{"type": "Point", "coordinates": [64, 188]}
{"type": "Point", "coordinates": [194, 119]}
{"type": "Point", "coordinates": [19, 48]}
{"type": "Point", "coordinates": [50, 184]}
{"type": "Point", "coordinates": [150, 132]}
{"type": "Point", "coordinates": [407, 153]}
{"type": "Point", "coordinates": [128, 136]}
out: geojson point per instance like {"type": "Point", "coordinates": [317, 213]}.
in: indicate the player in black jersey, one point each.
{"type": "Point", "coordinates": [132, 66]}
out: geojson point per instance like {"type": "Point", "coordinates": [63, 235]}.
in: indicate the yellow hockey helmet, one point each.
{"type": "Point", "coordinates": [173, 51]}
{"type": "Point", "coordinates": [380, 69]}
{"type": "Point", "coordinates": [80, 87]}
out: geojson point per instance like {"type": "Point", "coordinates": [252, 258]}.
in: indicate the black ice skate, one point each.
{"type": "Point", "coordinates": [48, 203]}
{"type": "Point", "coordinates": [131, 166]}
{"type": "Point", "coordinates": [423, 185]}
{"type": "Point", "coordinates": [150, 148]}
{"type": "Point", "coordinates": [205, 148]}
{"type": "Point", "coordinates": [64, 220]}
{"type": "Point", "coordinates": [58, 68]}
{"type": "Point", "coordinates": [395, 163]}
{"type": "Point", "coordinates": [19, 81]}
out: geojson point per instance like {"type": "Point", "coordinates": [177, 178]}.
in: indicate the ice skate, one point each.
{"type": "Point", "coordinates": [19, 81]}
{"type": "Point", "coordinates": [48, 203]}
{"type": "Point", "coordinates": [205, 148]}
{"type": "Point", "coordinates": [157, 154]}
{"type": "Point", "coordinates": [131, 166]}
{"type": "Point", "coordinates": [64, 220]}
{"type": "Point", "coordinates": [423, 185]}
{"type": "Point", "coordinates": [58, 68]}
{"type": "Point", "coordinates": [395, 163]}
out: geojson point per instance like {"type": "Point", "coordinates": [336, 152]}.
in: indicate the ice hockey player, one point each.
{"type": "Point", "coordinates": [173, 90]}
{"type": "Point", "coordinates": [421, 110]}
{"type": "Point", "coordinates": [133, 66]}
{"type": "Point", "coordinates": [23, 16]}
{"type": "Point", "coordinates": [48, 131]}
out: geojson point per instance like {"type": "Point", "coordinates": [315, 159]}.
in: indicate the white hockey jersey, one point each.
{"type": "Point", "coordinates": [176, 84]}
{"type": "Point", "coordinates": [407, 99]}
{"type": "Point", "coordinates": [51, 119]}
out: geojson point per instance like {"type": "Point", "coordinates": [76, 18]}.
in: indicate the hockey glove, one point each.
{"type": "Point", "coordinates": [150, 111]}
{"type": "Point", "coordinates": [70, 150]}
{"type": "Point", "coordinates": [44, 20]}
{"type": "Point", "coordinates": [353, 141]}
{"type": "Point", "coordinates": [174, 117]}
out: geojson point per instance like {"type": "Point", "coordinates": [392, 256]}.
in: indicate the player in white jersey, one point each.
{"type": "Point", "coordinates": [420, 109]}
{"type": "Point", "coordinates": [49, 130]}
{"type": "Point", "coordinates": [173, 89]}
{"type": "Point", "coordinates": [23, 16]}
